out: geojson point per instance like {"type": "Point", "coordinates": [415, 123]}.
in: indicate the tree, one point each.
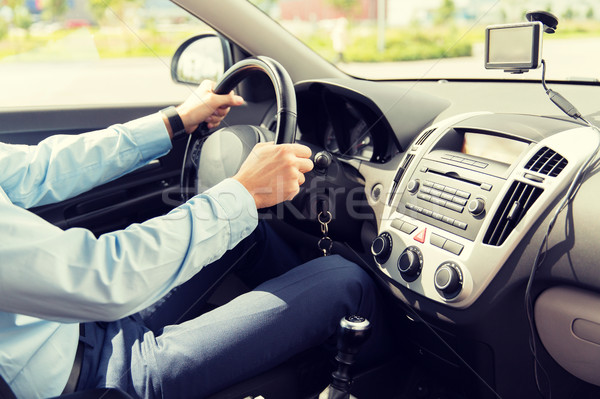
{"type": "Point", "coordinates": [54, 9]}
{"type": "Point", "coordinates": [590, 13]}
{"type": "Point", "coordinates": [445, 13]}
{"type": "Point", "coordinates": [569, 14]}
{"type": "Point", "coordinates": [347, 7]}
{"type": "Point", "coordinates": [3, 28]}
{"type": "Point", "coordinates": [21, 16]}
{"type": "Point", "coordinates": [117, 7]}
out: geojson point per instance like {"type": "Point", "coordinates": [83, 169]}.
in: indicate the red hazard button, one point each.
{"type": "Point", "coordinates": [420, 237]}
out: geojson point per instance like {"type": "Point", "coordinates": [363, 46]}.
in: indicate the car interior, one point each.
{"type": "Point", "coordinates": [470, 202]}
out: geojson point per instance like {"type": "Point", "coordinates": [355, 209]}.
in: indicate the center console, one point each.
{"type": "Point", "coordinates": [464, 195]}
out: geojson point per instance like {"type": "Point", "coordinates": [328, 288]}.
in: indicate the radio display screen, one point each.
{"type": "Point", "coordinates": [495, 148]}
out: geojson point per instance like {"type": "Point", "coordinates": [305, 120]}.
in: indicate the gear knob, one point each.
{"type": "Point", "coordinates": [354, 331]}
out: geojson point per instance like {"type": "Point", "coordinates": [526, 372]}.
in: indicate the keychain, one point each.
{"type": "Point", "coordinates": [325, 243]}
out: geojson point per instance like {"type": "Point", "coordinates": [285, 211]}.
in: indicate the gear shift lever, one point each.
{"type": "Point", "coordinates": [354, 331]}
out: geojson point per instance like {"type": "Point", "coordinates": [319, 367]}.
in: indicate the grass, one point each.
{"type": "Point", "coordinates": [419, 43]}
{"type": "Point", "coordinates": [401, 44]}
{"type": "Point", "coordinates": [86, 43]}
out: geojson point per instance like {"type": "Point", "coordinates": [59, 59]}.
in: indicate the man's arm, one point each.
{"type": "Point", "coordinates": [63, 166]}
{"type": "Point", "coordinates": [73, 276]}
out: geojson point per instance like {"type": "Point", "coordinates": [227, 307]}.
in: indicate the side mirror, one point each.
{"type": "Point", "coordinates": [201, 57]}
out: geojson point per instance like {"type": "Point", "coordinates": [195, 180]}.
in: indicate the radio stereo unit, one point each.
{"type": "Point", "coordinates": [464, 197]}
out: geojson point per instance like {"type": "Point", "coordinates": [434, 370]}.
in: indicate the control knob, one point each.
{"type": "Point", "coordinates": [476, 206]}
{"type": "Point", "coordinates": [410, 263]}
{"type": "Point", "coordinates": [413, 186]}
{"type": "Point", "coordinates": [322, 160]}
{"type": "Point", "coordinates": [448, 280]}
{"type": "Point", "coordinates": [381, 247]}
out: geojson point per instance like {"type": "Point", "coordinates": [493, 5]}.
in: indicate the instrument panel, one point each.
{"type": "Point", "coordinates": [457, 210]}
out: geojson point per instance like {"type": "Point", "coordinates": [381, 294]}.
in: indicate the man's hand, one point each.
{"type": "Point", "coordinates": [205, 106]}
{"type": "Point", "coordinates": [273, 173]}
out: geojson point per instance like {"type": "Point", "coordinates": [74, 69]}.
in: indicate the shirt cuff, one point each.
{"type": "Point", "coordinates": [150, 135]}
{"type": "Point", "coordinates": [239, 207]}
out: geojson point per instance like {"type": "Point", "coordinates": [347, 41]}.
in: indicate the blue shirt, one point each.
{"type": "Point", "coordinates": [52, 279]}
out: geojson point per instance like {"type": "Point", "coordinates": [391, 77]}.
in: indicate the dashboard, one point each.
{"type": "Point", "coordinates": [466, 193]}
{"type": "Point", "coordinates": [460, 185]}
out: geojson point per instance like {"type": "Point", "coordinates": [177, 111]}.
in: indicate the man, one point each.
{"type": "Point", "coordinates": [122, 286]}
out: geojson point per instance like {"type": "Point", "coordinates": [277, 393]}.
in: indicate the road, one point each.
{"type": "Point", "coordinates": [147, 80]}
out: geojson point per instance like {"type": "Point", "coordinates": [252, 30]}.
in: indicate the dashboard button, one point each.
{"type": "Point", "coordinates": [454, 207]}
{"type": "Point", "coordinates": [447, 197]}
{"type": "Point", "coordinates": [437, 240]}
{"type": "Point", "coordinates": [397, 224]}
{"type": "Point", "coordinates": [463, 194]}
{"type": "Point", "coordinates": [480, 164]}
{"type": "Point", "coordinates": [459, 200]}
{"type": "Point", "coordinates": [427, 183]}
{"type": "Point", "coordinates": [408, 228]}
{"type": "Point", "coordinates": [486, 186]}
{"type": "Point", "coordinates": [438, 201]}
{"type": "Point", "coordinates": [424, 197]}
{"type": "Point", "coordinates": [450, 190]}
{"type": "Point", "coordinates": [437, 216]}
{"type": "Point", "coordinates": [439, 187]}
{"type": "Point", "coordinates": [420, 237]}
{"type": "Point", "coordinates": [435, 193]}
{"type": "Point", "coordinates": [453, 247]}
{"type": "Point", "coordinates": [448, 220]}
{"type": "Point", "coordinates": [460, 225]}
{"type": "Point", "coordinates": [425, 190]}
{"type": "Point", "coordinates": [427, 212]}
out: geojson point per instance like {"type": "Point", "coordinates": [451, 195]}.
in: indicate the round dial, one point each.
{"type": "Point", "coordinates": [381, 247]}
{"type": "Point", "coordinates": [413, 186]}
{"type": "Point", "coordinates": [448, 280]}
{"type": "Point", "coordinates": [476, 206]}
{"type": "Point", "coordinates": [410, 263]}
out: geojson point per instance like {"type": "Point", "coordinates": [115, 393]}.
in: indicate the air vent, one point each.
{"type": "Point", "coordinates": [424, 137]}
{"type": "Point", "coordinates": [403, 168]}
{"type": "Point", "coordinates": [547, 162]}
{"type": "Point", "coordinates": [513, 208]}
{"type": "Point", "coordinates": [407, 162]}
{"type": "Point", "coordinates": [399, 174]}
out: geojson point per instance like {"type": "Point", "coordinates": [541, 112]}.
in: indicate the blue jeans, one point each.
{"type": "Point", "coordinates": [167, 351]}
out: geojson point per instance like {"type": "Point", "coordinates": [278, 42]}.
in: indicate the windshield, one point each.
{"type": "Point", "coordinates": [437, 39]}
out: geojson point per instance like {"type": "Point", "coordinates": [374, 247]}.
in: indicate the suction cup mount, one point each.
{"type": "Point", "coordinates": [548, 19]}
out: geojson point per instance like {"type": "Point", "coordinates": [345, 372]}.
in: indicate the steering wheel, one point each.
{"type": "Point", "coordinates": [209, 160]}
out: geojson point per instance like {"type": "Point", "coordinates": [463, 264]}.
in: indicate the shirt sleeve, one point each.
{"type": "Point", "coordinates": [63, 166]}
{"type": "Point", "coordinates": [73, 276]}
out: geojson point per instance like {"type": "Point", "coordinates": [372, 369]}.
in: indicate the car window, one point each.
{"type": "Point", "coordinates": [436, 39]}
{"type": "Point", "coordinates": [91, 52]}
